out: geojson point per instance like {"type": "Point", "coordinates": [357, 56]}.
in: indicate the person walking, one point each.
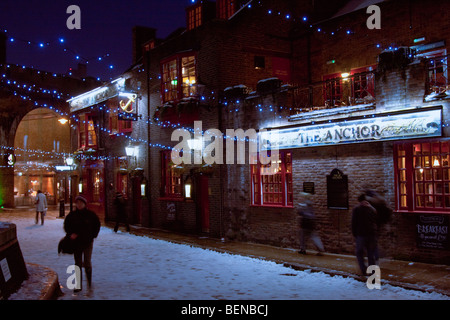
{"type": "Point", "coordinates": [41, 206]}
{"type": "Point", "coordinates": [384, 214]}
{"type": "Point", "coordinates": [121, 214]}
{"type": "Point", "coordinates": [364, 229]}
{"type": "Point", "coordinates": [83, 226]}
{"type": "Point", "coordinates": [308, 228]}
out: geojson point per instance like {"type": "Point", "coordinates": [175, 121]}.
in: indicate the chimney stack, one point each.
{"type": "Point", "coordinates": [141, 35]}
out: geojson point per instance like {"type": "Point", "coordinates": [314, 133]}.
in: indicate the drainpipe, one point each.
{"type": "Point", "coordinates": [149, 169]}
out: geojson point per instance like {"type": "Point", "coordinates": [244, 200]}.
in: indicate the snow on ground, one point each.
{"type": "Point", "coordinates": [130, 267]}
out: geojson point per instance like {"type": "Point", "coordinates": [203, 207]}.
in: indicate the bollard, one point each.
{"type": "Point", "coordinates": [61, 209]}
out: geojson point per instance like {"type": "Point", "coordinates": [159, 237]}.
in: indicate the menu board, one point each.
{"type": "Point", "coordinates": [432, 232]}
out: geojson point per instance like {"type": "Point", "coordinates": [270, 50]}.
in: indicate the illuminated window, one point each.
{"type": "Point", "coordinates": [179, 77]}
{"type": "Point", "coordinates": [273, 189]}
{"type": "Point", "coordinates": [115, 124]}
{"type": "Point", "coordinates": [170, 80]}
{"type": "Point", "coordinates": [423, 176]}
{"type": "Point", "coordinates": [356, 87]}
{"type": "Point", "coordinates": [171, 178]}
{"type": "Point", "coordinates": [188, 76]}
{"type": "Point", "coordinates": [194, 16]}
{"type": "Point", "coordinates": [225, 8]}
{"type": "Point", "coordinates": [87, 137]}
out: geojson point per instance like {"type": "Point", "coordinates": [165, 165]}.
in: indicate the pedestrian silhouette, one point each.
{"type": "Point", "coordinates": [82, 225]}
{"type": "Point", "coordinates": [364, 229]}
{"type": "Point", "coordinates": [121, 213]}
{"type": "Point", "coordinates": [41, 206]}
{"type": "Point", "coordinates": [308, 226]}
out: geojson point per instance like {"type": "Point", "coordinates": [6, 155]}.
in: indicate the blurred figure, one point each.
{"type": "Point", "coordinates": [121, 213]}
{"type": "Point", "coordinates": [364, 229]}
{"type": "Point", "coordinates": [308, 226]}
{"type": "Point", "coordinates": [41, 206]}
{"type": "Point", "coordinates": [384, 213]}
{"type": "Point", "coordinates": [82, 225]}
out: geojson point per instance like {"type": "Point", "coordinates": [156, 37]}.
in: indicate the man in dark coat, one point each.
{"type": "Point", "coordinates": [82, 225]}
{"type": "Point", "coordinates": [121, 214]}
{"type": "Point", "coordinates": [364, 229]}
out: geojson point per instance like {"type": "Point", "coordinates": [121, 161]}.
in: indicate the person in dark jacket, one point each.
{"type": "Point", "coordinates": [121, 214]}
{"type": "Point", "coordinates": [364, 229]}
{"type": "Point", "coordinates": [83, 226]}
{"type": "Point", "coordinates": [308, 228]}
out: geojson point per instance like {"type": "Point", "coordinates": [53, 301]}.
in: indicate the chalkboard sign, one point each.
{"type": "Point", "coordinates": [432, 232]}
{"type": "Point", "coordinates": [337, 190]}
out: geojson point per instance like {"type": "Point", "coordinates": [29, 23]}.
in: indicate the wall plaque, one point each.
{"type": "Point", "coordinates": [337, 190]}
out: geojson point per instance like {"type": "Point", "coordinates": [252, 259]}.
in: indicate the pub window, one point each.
{"type": "Point", "coordinates": [87, 137]}
{"type": "Point", "coordinates": [273, 188]}
{"type": "Point", "coordinates": [194, 16]}
{"type": "Point", "coordinates": [179, 77]}
{"type": "Point", "coordinates": [423, 176]}
{"type": "Point", "coordinates": [171, 178]}
{"type": "Point", "coordinates": [225, 8]}
{"type": "Point", "coordinates": [115, 124]}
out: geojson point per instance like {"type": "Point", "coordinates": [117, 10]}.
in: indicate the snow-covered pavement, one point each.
{"type": "Point", "coordinates": [130, 267]}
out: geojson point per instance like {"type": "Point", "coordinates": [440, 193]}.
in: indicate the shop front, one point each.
{"type": "Point", "coordinates": [402, 155]}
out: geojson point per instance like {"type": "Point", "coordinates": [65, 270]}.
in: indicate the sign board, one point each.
{"type": "Point", "coordinates": [376, 127]}
{"type": "Point", "coordinates": [5, 270]}
{"type": "Point", "coordinates": [308, 187]}
{"type": "Point", "coordinates": [337, 190]}
{"type": "Point", "coordinates": [433, 232]}
{"type": "Point", "coordinates": [171, 211]}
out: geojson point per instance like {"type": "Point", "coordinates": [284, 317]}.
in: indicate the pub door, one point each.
{"type": "Point", "coordinates": [203, 202]}
{"type": "Point", "coordinates": [136, 198]}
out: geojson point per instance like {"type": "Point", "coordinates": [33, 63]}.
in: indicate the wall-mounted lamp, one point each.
{"type": "Point", "coordinates": [345, 75]}
{"type": "Point", "coordinates": [69, 161]}
{"type": "Point", "coordinates": [143, 187]}
{"type": "Point", "coordinates": [129, 151]}
{"type": "Point", "coordinates": [63, 120]}
{"type": "Point", "coordinates": [80, 186]}
{"type": "Point", "coordinates": [188, 188]}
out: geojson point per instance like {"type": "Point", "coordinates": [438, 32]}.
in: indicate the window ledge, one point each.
{"type": "Point", "coordinates": [446, 212]}
{"type": "Point", "coordinates": [271, 206]}
{"type": "Point", "coordinates": [179, 199]}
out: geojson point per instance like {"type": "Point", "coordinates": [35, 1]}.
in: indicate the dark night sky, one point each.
{"type": "Point", "coordinates": [105, 28]}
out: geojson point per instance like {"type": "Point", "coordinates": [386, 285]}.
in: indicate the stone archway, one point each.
{"type": "Point", "coordinates": [41, 143]}
{"type": "Point", "coordinates": [23, 90]}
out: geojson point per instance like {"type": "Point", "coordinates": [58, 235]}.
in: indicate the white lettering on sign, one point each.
{"type": "Point", "coordinates": [381, 127]}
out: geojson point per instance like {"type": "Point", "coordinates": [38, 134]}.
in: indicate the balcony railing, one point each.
{"type": "Point", "coordinates": [346, 90]}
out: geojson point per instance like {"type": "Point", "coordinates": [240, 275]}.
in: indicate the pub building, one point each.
{"type": "Point", "coordinates": [349, 108]}
{"type": "Point", "coordinates": [372, 113]}
{"type": "Point", "coordinates": [108, 150]}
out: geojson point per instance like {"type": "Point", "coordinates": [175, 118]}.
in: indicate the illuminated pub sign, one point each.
{"type": "Point", "coordinates": [376, 127]}
{"type": "Point", "coordinates": [120, 88]}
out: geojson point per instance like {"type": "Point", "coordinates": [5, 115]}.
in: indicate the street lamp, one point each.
{"type": "Point", "coordinates": [69, 162]}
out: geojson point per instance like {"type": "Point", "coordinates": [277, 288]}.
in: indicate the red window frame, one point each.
{"type": "Point", "coordinates": [422, 172]}
{"type": "Point", "coordinates": [273, 189]}
{"type": "Point", "coordinates": [173, 86]}
{"type": "Point", "coordinates": [87, 123]}
{"type": "Point", "coordinates": [225, 8]}
{"type": "Point", "coordinates": [194, 16]}
{"type": "Point", "coordinates": [362, 84]}
{"type": "Point", "coordinates": [171, 181]}
{"type": "Point", "coordinates": [115, 124]}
